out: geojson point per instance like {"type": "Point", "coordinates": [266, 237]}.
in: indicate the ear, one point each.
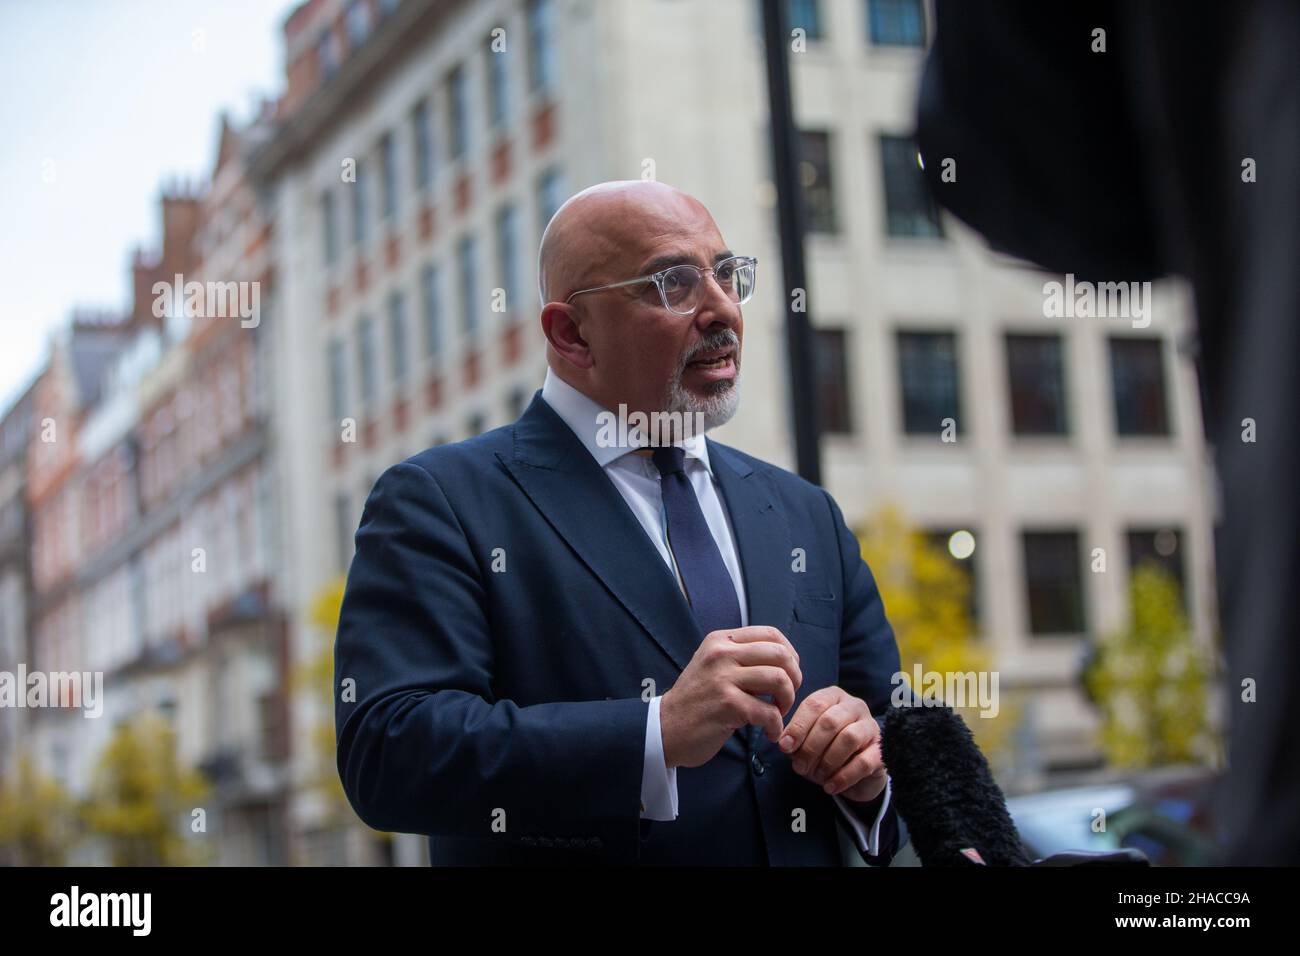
{"type": "Point", "coordinates": [562, 331]}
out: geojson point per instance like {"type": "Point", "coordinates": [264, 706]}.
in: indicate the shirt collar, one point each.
{"type": "Point", "coordinates": [581, 414]}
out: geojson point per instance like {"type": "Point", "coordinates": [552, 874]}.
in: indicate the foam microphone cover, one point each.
{"type": "Point", "coordinates": [944, 791]}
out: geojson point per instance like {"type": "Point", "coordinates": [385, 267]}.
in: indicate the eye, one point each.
{"type": "Point", "coordinates": [726, 271]}
{"type": "Point", "coordinates": [675, 280]}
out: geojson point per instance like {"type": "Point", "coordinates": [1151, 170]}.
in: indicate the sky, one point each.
{"type": "Point", "coordinates": [101, 103]}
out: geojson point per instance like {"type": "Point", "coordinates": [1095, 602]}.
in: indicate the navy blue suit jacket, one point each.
{"type": "Point", "coordinates": [502, 614]}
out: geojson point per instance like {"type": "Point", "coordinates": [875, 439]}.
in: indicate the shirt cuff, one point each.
{"type": "Point", "coordinates": [868, 840]}
{"type": "Point", "coordinates": [658, 783]}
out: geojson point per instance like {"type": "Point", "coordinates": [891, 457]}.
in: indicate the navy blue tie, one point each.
{"type": "Point", "coordinates": [709, 588]}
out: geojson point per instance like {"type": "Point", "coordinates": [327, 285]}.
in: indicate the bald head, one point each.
{"type": "Point", "coordinates": [607, 227]}
{"type": "Point", "coordinates": [620, 344]}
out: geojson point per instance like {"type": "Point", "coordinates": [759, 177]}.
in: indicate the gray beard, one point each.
{"type": "Point", "coordinates": [717, 407]}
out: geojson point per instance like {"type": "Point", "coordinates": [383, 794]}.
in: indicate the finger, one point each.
{"type": "Point", "coordinates": [854, 738]}
{"type": "Point", "coordinates": [832, 720]}
{"type": "Point", "coordinates": [812, 707]}
{"type": "Point", "coordinates": [767, 680]}
{"type": "Point", "coordinates": [745, 635]}
{"type": "Point", "coordinates": [864, 766]}
{"type": "Point", "coordinates": [770, 653]}
{"type": "Point", "coordinates": [762, 714]}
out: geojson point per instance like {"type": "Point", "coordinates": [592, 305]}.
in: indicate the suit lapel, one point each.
{"type": "Point", "coordinates": [763, 543]}
{"type": "Point", "coordinates": [578, 500]}
{"type": "Point", "coordinates": [762, 537]}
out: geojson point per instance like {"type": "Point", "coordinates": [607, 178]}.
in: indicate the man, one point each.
{"type": "Point", "coordinates": [559, 645]}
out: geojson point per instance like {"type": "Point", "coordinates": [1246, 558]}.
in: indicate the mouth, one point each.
{"type": "Point", "coordinates": [714, 359]}
{"type": "Point", "coordinates": [715, 364]}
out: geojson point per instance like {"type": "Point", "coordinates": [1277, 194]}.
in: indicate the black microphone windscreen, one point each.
{"type": "Point", "coordinates": [944, 790]}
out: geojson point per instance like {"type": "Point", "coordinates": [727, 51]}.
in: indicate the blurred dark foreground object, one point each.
{"type": "Point", "coordinates": [1131, 164]}
{"type": "Point", "coordinates": [954, 810]}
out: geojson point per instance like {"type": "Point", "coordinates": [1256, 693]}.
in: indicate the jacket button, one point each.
{"type": "Point", "coordinates": [757, 764]}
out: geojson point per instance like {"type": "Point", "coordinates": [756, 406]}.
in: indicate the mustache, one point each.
{"type": "Point", "coordinates": [718, 340]}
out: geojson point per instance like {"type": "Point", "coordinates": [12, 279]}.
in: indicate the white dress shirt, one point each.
{"type": "Point", "coordinates": [637, 480]}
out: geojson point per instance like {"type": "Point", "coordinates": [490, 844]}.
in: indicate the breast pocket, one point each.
{"type": "Point", "coordinates": [819, 610]}
{"type": "Point", "coordinates": [815, 633]}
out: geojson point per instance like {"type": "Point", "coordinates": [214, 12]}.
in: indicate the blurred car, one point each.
{"type": "Point", "coordinates": [1164, 813]}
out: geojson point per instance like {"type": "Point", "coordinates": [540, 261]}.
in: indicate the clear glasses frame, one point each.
{"type": "Point", "coordinates": [664, 277]}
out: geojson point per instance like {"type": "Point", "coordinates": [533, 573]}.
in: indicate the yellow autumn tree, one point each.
{"type": "Point", "coordinates": [142, 799]}
{"type": "Point", "coordinates": [37, 818]}
{"type": "Point", "coordinates": [926, 595]}
{"type": "Point", "coordinates": [1150, 680]}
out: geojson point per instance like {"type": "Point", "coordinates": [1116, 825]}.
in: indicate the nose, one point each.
{"type": "Point", "coordinates": [716, 305]}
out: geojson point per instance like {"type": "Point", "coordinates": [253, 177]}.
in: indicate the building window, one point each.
{"type": "Point", "coordinates": [360, 217]}
{"type": "Point", "coordinates": [549, 197]}
{"type": "Point", "coordinates": [815, 177]}
{"type": "Point", "coordinates": [457, 114]}
{"type": "Point", "coordinates": [1054, 582]}
{"type": "Point", "coordinates": [541, 45]}
{"type": "Point", "coordinates": [422, 141]}
{"type": "Point", "coordinates": [344, 530]}
{"type": "Point", "coordinates": [430, 295]}
{"type": "Point", "coordinates": [338, 382]}
{"type": "Point", "coordinates": [1138, 384]}
{"type": "Point", "coordinates": [476, 424]}
{"type": "Point", "coordinates": [806, 15]}
{"type": "Point", "coordinates": [465, 255]}
{"type": "Point", "coordinates": [831, 363]}
{"type": "Point", "coordinates": [508, 256]}
{"type": "Point", "coordinates": [896, 22]}
{"type": "Point", "coordinates": [498, 86]}
{"type": "Point", "coordinates": [397, 334]}
{"type": "Point", "coordinates": [358, 22]}
{"type": "Point", "coordinates": [1036, 375]}
{"type": "Point", "coordinates": [272, 740]}
{"type": "Point", "coordinates": [388, 160]}
{"type": "Point", "coordinates": [929, 375]}
{"type": "Point", "coordinates": [330, 226]}
{"type": "Point", "coordinates": [909, 207]}
{"type": "Point", "coordinates": [366, 359]}
{"type": "Point", "coordinates": [1163, 548]}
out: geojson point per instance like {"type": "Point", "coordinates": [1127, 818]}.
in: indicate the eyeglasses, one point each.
{"type": "Point", "coordinates": [682, 287]}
